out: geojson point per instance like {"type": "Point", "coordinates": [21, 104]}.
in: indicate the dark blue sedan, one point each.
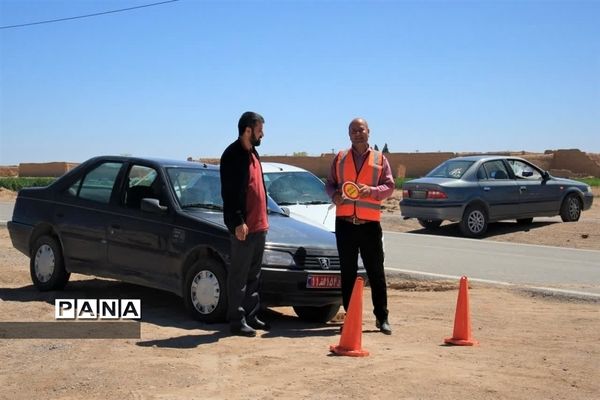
{"type": "Point", "coordinates": [477, 190]}
{"type": "Point", "coordinates": [159, 223]}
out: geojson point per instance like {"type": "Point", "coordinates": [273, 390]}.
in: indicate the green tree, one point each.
{"type": "Point", "coordinates": [299, 154]}
{"type": "Point", "coordinates": [385, 149]}
{"type": "Point", "coordinates": [376, 148]}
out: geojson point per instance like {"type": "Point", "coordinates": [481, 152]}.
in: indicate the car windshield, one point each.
{"type": "Point", "coordinates": [450, 169]}
{"type": "Point", "coordinates": [201, 188]}
{"type": "Point", "coordinates": [301, 187]}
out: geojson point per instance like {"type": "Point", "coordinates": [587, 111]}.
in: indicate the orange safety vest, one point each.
{"type": "Point", "coordinates": [363, 208]}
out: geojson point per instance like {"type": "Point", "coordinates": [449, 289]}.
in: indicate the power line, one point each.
{"type": "Point", "coordinates": [86, 16]}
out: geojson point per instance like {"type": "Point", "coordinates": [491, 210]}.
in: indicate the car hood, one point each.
{"type": "Point", "coordinates": [570, 182]}
{"type": "Point", "coordinates": [321, 215]}
{"type": "Point", "coordinates": [283, 230]}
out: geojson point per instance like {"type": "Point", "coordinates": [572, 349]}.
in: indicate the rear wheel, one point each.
{"type": "Point", "coordinates": [205, 294]}
{"type": "Point", "coordinates": [524, 221]}
{"type": "Point", "coordinates": [430, 224]}
{"type": "Point", "coordinates": [570, 210]}
{"type": "Point", "coordinates": [317, 314]}
{"type": "Point", "coordinates": [474, 222]}
{"type": "Point", "coordinates": [47, 266]}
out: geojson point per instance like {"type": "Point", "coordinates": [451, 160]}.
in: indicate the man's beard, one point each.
{"type": "Point", "coordinates": [254, 141]}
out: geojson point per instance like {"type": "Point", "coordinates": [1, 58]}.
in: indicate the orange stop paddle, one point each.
{"type": "Point", "coordinates": [350, 190]}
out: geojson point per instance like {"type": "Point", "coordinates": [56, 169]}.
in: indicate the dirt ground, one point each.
{"type": "Point", "coordinates": [531, 347]}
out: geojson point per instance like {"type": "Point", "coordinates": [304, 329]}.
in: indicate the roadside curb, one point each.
{"type": "Point", "coordinates": [536, 290]}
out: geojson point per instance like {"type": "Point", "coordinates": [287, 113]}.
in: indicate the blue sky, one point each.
{"type": "Point", "coordinates": [172, 80]}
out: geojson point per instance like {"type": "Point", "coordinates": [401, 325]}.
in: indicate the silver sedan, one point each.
{"type": "Point", "coordinates": [477, 190]}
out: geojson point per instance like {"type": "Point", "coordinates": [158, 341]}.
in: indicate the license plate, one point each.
{"type": "Point", "coordinates": [324, 282]}
{"type": "Point", "coordinates": [418, 194]}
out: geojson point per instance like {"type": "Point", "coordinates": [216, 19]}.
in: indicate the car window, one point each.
{"type": "Point", "coordinates": [196, 187]}
{"type": "Point", "coordinates": [496, 170]}
{"type": "Point", "coordinates": [450, 169]}
{"type": "Point", "coordinates": [523, 170]}
{"type": "Point", "coordinates": [142, 183]}
{"type": "Point", "coordinates": [287, 188]}
{"type": "Point", "coordinates": [97, 185]}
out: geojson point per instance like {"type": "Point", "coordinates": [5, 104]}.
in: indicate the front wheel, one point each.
{"type": "Point", "coordinates": [47, 266]}
{"type": "Point", "coordinates": [430, 224]}
{"type": "Point", "coordinates": [317, 313]}
{"type": "Point", "coordinates": [474, 222]}
{"type": "Point", "coordinates": [205, 294]}
{"type": "Point", "coordinates": [570, 210]}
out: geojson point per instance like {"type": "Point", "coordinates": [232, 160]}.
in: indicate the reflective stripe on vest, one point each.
{"type": "Point", "coordinates": [369, 174]}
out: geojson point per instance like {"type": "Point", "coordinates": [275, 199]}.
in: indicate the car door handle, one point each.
{"type": "Point", "coordinates": [523, 189]}
{"type": "Point", "coordinates": [486, 188]}
{"type": "Point", "coordinates": [114, 228]}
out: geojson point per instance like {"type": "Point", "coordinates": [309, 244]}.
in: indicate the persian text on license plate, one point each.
{"type": "Point", "coordinates": [324, 282]}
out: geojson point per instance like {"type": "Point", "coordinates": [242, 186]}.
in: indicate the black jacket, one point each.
{"type": "Point", "coordinates": [235, 163]}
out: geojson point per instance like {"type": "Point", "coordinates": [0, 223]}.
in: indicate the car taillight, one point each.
{"type": "Point", "coordinates": [405, 194]}
{"type": "Point", "coordinates": [436, 194]}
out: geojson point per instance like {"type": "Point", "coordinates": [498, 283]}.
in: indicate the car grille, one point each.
{"type": "Point", "coordinates": [325, 263]}
{"type": "Point", "coordinates": [318, 262]}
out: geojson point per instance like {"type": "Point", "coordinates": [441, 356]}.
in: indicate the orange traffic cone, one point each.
{"type": "Point", "coordinates": [351, 340]}
{"type": "Point", "coordinates": [462, 320]}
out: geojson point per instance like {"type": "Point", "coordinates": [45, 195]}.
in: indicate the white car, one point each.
{"type": "Point", "coordinates": [301, 193]}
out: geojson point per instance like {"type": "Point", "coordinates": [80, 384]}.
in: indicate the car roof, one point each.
{"type": "Point", "coordinates": [163, 162]}
{"type": "Point", "coordinates": [482, 157]}
{"type": "Point", "coordinates": [279, 167]}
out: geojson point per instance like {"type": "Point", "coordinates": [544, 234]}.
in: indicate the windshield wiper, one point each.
{"type": "Point", "coordinates": [209, 206]}
{"type": "Point", "coordinates": [315, 202]}
{"type": "Point", "coordinates": [286, 203]}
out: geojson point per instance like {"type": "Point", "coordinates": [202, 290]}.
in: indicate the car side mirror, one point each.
{"type": "Point", "coordinates": [152, 206]}
{"type": "Point", "coordinates": [545, 175]}
{"type": "Point", "coordinates": [286, 211]}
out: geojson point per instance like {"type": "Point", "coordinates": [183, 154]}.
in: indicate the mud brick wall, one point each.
{"type": "Point", "coordinates": [414, 165]}
{"type": "Point", "coordinates": [51, 169]}
{"type": "Point", "coordinates": [576, 161]}
{"type": "Point", "coordinates": [319, 165]}
{"type": "Point", "coordinates": [567, 163]}
{"type": "Point", "coordinates": [9, 171]}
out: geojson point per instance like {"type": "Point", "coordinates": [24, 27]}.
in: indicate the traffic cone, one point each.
{"type": "Point", "coordinates": [351, 340]}
{"type": "Point", "coordinates": [462, 321]}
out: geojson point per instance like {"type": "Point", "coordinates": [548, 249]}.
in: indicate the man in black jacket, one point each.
{"type": "Point", "coordinates": [245, 214]}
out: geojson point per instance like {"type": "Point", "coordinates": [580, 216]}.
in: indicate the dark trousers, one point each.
{"type": "Point", "coordinates": [350, 239]}
{"type": "Point", "coordinates": [243, 276]}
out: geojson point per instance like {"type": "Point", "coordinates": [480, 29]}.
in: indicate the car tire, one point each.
{"type": "Point", "coordinates": [474, 222]}
{"type": "Point", "coordinates": [430, 224]}
{"type": "Point", "coordinates": [317, 313]}
{"type": "Point", "coordinates": [47, 265]}
{"type": "Point", "coordinates": [524, 221]}
{"type": "Point", "coordinates": [570, 210]}
{"type": "Point", "coordinates": [205, 292]}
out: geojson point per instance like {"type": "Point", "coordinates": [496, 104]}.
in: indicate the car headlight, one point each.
{"type": "Point", "coordinates": [278, 258]}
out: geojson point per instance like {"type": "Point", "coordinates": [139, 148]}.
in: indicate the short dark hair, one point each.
{"type": "Point", "coordinates": [249, 119]}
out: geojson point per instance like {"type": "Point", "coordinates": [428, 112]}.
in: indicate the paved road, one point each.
{"type": "Point", "coordinates": [569, 270]}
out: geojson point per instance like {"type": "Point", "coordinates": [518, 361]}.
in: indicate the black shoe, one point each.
{"type": "Point", "coordinates": [258, 324]}
{"type": "Point", "coordinates": [384, 327]}
{"type": "Point", "coordinates": [241, 329]}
